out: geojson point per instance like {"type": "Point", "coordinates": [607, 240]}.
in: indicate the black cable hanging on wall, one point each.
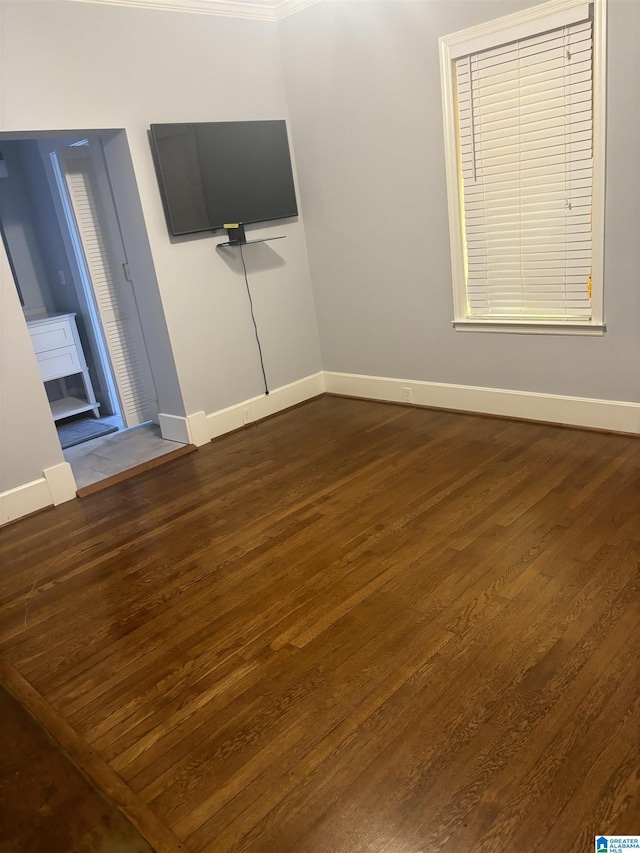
{"type": "Point", "coordinates": [255, 326]}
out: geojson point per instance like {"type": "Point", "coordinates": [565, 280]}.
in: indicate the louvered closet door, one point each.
{"type": "Point", "coordinates": [114, 297]}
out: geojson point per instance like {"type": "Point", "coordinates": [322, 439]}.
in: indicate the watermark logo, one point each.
{"type": "Point", "coordinates": [617, 843]}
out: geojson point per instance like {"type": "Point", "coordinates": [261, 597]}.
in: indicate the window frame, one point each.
{"type": "Point", "coordinates": [519, 25]}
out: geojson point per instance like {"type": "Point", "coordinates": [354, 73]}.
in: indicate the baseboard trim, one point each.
{"type": "Point", "coordinates": [56, 486]}
{"type": "Point", "coordinates": [61, 482]}
{"type": "Point", "coordinates": [609, 415]}
{"type": "Point", "coordinates": [200, 428]}
{"type": "Point", "coordinates": [174, 428]}
{"type": "Point", "coordinates": [232, 418]}
{"type": "Point", "coordinates": [24, 500]}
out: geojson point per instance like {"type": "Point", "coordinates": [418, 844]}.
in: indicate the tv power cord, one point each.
{"type": "Point", "coordinates": [246, 281]}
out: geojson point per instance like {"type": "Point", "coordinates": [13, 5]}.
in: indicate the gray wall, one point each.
{"type": "Point", "coordinates": [363, 97]}
{"type": "Point", "coordinates": [45, 225]}
{"type": "Point", "coordinates": [363, 84]}
{"type": "Point", "coordinates": [16, 214]}
{"type": "Point", "coordinates": [87, 65]}
{"type": "Point", "coordinates": [78, 66]}
{"type": "Point", "coordinates": [28, 440]}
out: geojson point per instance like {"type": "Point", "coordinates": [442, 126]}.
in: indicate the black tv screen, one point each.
{"type": "Point", "coordinates": [217, 173]}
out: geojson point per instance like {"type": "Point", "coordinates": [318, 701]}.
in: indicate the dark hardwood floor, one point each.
{"type": "Point", "coordinates": [46, 805]}
{"type": "Point", "coordinates": [352, 628]}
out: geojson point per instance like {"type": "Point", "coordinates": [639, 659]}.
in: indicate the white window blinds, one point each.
{"type": "Point", "coordinates": [525, 155]}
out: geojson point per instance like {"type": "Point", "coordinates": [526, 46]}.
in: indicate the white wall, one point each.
{"type": "Point", "coordinates": [363, 84]}
{"type": "Point", "coordinates": [81, 66]}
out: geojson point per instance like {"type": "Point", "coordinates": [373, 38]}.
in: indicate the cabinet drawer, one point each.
{"type": "Point", "coordinates": [51, 336]}
{"type": "Point", "coordinates": [58, 363]}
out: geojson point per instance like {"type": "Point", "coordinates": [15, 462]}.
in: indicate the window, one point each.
{"type": "Point", "coordinates": [523, 103]}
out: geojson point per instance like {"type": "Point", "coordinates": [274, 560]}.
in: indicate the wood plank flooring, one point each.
{"type": "Point", "coordinates": [45, 802]}
{"type": "Point", "coordinates": [352, 628]}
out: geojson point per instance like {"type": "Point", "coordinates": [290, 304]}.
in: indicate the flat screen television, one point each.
{"type": "Point", "coordinates": [212, 174]}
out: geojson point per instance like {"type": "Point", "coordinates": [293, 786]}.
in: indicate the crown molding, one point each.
{"type": "Point", "coordinates": [262, 10]}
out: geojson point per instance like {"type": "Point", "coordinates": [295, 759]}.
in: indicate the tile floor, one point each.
{"type": "Point", "coordinates": [111, 454]}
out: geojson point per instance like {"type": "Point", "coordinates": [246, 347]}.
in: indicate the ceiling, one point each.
{"type": "Point", "coordinates": [263, 10]}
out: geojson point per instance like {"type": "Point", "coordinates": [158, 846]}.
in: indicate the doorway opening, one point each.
{"type": "Point", "coordinates": [63, 236]}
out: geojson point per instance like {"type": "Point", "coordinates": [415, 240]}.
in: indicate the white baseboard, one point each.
{"type": "Point", "coordinates": [199, 428]}
{"type": "Point", "coordinates": [56, 486]}
{"type": "Point", "coordinates": [61, 482]}
{"type": "Point", "coordinates": [613, 415]}
{"type": "Point", "coordinates": [190, 430]}
{"type": "Point", "coordinates": [24, 499]}
{"type": "Point", "coordinates": [257, 408]}
{"type": "Point", "coordinates": [174, 428]}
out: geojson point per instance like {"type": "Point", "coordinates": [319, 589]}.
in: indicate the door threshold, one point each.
{"type": "Point", "coordinates": [142, 468]}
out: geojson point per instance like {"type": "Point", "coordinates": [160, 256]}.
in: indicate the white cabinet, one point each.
{"type": "Point", "coordinates": [59, 353]}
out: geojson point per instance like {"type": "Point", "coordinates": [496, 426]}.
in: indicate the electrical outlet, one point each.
{"type": "Point", "coordinates": [407, 394]}
{"type": "Point", "coordinates": [61, 276]}
{"type": "Point", "coordinates": [246, 416]}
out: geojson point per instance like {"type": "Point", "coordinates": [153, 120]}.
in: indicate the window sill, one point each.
{"type": "Point", "coordinates": [527, 327]}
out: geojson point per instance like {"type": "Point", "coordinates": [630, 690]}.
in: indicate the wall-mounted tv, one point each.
{"type": "Point", "coordinates": [215, 173]}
